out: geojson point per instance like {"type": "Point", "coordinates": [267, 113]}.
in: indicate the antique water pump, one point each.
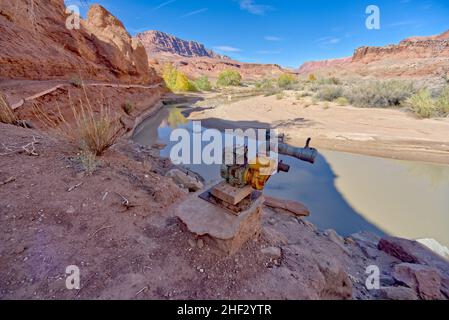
{"type": "Point", "coordinates": [244, 178]}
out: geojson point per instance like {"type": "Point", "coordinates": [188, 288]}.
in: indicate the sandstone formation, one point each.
{"type": "Point", "coordinates": [195, 60]}
{"type": "Point", "coordinates": [184, 180]}
{"type": "Point", "coordinates": [220, 229]}
{"type": "Point", "coordinates": [423, 270]}
{"type": "Point", "coordinates": [412, 57]}
{"type": "Point", "coordinates": [157, 42]}
{"type": "Point", "coordinates": [423, 279]}
{"type": "Point", "coordinates": [312, 66]}
{"type": "Point", "coordinates": [294, 207]}
{"type": "Point", "coordinates": [36, 44]}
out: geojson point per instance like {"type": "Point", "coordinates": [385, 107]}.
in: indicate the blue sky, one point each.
{"type": "Point", "coordinates": [286, 32]}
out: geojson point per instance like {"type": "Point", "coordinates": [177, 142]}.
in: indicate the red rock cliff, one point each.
{"type": "Point", "coordinates": [35, 44]}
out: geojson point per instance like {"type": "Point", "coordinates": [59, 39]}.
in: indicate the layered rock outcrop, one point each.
{"type": "Point", "coordinates": [311, 66]}
{"type": "Point", "coordinates": [194, 59]}
{"type": "Point", "coordinates": [415, 47]}
{"type": "Point", "coordinates": [36, 44]}
{"type": "Point", "coordinates": [413, 57]}
{"type": "Point", "coordinates": [156, 42]}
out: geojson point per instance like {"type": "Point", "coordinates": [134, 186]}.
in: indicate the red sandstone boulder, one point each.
{"type": "Point", "coordinates": [425, 280]}
{"type": "Point", "coordinates": [413, 252]}
{"type": "Point", "coordinates": [294, 207]}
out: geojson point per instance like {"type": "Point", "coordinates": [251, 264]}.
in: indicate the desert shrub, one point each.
{"type": "Point", "coordinates": [329, 81]}
{"type": "Point", "coordinates": [128, 107]}
{"type": "Point", "coordinates": [265, 84]}
{"type": "Point", "coordinates": [203, 84]}
{"type": "Point", "coordinates": [342, 101]}
{"type": "Point", "coordinates": [280, 96]}
{"type": "Point", "coordinates": [6, 113]}
{"type": "Point", "coordinates": [76, 82]}
{"type": "Point", "coordinates": [311, 77]}
{"type": "Point", "coordinates": [422, 104]}
{"type": "Point", "coordinates": [286, 80]}
{"type": "Point", "coordinates": [229, 78]}
{"type": "Point", "coordinates": [380, 94]}
{"type": "Point", "coordinates": [442, 102]}
{"type": "Point", "coordinates": [175, 80]}
{"type": "Point", "coordinates": [88, 161]}
{"type": "Point", "coordinates": [329, 93]}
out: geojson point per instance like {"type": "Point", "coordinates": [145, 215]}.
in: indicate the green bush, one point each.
{"type": "Point", "coordinates": [380, 94]}
{"type": "Point", "coordinates": [203, 83]}
{"type": "Point", "coordinates": [265, 84]}
{"type": "Point", "coordinates": [285, 80]}
{"type": "Point", "coordinates": [329, 81]}
{"type": "Point", "coordinates": [229, 78]}
{"type": "Point", "coordinates": [342, 101]}
{"type": "Point", "coordinates": [442, 103]}
{"type": "Point", "coordinates": [422, 104]}
{"type": "Point", "coordinates": [329, 93]}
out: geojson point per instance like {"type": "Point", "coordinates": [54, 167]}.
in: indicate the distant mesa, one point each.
{"type": "Point", "coordinates": [157, 42]}
{"type": "Point", "coordinates": [312, 66]}
{"type": "Point", "coordinates": [195, 60]}
{"type": "Point", "coordinates": [414, 57]}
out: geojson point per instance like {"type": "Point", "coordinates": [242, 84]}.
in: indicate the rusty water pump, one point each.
{"type": "Point", "coordinates": [244, 180]}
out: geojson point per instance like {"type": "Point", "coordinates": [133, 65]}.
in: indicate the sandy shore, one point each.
{"type": "Point", "coordinates": [385, 133]}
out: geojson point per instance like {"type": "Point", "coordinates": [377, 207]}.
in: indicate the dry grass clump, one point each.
{"type": "Point", "coordinates": [6, 113]}
{"type": "Point", "coordinates": [94, 131]}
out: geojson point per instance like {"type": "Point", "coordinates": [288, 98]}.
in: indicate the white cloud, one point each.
{"type": "Point", "coordinates": [272, 38]}
{"type": "Point", "coordinates": [401, 23]}
{"type": "Point", "coordinates": [269, 52]}
{"type": "Point", "coordinates": [163, 5]}
{"type": "Point", "coordinates": [227, 49]}
{"type": "Point", "coordinates": [328, 41]}
{"type": "Point", "coordinates": [252, 7]}
{"type": "Point", "coordinates": [194, 12]}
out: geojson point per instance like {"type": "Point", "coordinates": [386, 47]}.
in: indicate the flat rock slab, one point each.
{"type": "Point", "coordinates": [218, 227]}
{"type": "Point", "coordinates": [294, 207]}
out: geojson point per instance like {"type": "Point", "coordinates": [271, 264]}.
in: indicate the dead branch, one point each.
{"type": "Point", "coordinates": [142, 290]}
{"type": "Point", "coordinates": [9, 180]}
{"type": "Point", "coordinates": [70, 189]}
{"type": "Point", "coordinates": [125, 202]}
{"type": "Point", "coordinates": [101, 229]}
{"type": "Point", "coordinates": [29, 148]}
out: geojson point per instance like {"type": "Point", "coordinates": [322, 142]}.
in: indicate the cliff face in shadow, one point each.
{"type": "Point", "coordinates": [36, 44]}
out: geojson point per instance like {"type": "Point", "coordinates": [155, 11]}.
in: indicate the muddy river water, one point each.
{"type": "Point", "coordinates": [345, 192]}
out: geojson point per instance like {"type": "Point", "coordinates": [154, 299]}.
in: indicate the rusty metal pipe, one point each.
{"type": "Point", "coordinates": [306, 154]}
